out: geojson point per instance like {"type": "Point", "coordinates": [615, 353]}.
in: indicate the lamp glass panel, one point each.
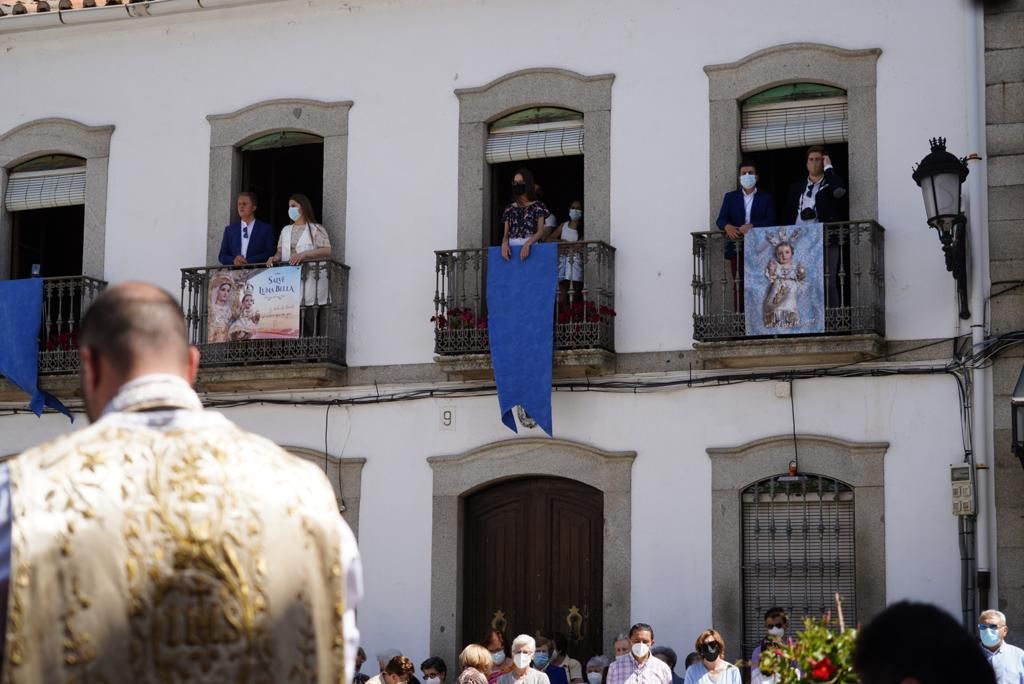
{"type": "Point", "coordinates": [947, 194]}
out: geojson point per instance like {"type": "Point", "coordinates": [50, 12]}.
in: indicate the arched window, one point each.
{"type": "Point", "coordinates": [46, 200]}
{"type": "Point", "coordinates": [797, 550]}
{"type": "Point", "coordinates": [549, 142]}
{"type": "Point", "coordinates": [279, 164]}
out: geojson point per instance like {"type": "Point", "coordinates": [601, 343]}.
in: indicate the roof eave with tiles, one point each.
{"type": "Point", "coordinates": [30, 14]}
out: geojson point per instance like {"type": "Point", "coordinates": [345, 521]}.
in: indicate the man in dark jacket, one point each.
{"type": "Point", "coordinates": [820, 199]}
{"type": "Point", "coordinates": [742, 210]}
{"type": "Point", "coordinates": [249, 241]}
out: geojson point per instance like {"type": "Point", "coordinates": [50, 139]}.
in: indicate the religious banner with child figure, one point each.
{"type": "Point", "coordinates": [254, 304]}
{"type": "Point", "coordinates": [783, 280]}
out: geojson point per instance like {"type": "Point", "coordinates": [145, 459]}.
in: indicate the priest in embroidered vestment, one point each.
{"type": "Point", "coordinates": [164, 544]}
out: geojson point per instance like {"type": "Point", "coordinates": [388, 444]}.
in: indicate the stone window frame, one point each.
{"type": "Point", "coordinates": [852, 70]}
{"type": "Point", "coordinates": [541, 87]}
{"type": "Point", "coordinates": [857, 464]}
{"type": "Point", "coordinates": [345, 475]}
{"type": "Point", "coordinates": [61, 136]}
{"type": "Point", "coordinates": [229, 132]}
{"type": "Point", "coordinates": [457, 476]}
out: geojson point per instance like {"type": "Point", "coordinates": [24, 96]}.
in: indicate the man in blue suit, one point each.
{"type": "Point", "coordinates": [249, 241]}
{"type": "Point", "coordinates": [742, 210]}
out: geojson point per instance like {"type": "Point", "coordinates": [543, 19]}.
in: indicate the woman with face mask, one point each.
{"type": "Point", "coordinates": [305, 240]}
{"type": "Point", "coordinates": [595, 669]}
{"type": "Point", "coordinates": [570, 258]}
{"type": "Point", "coordinates": [524, 647]}
{"type": "Point", "coordinates": [776, 622]}
{"type": "Point", "coordinates": [501, 661]}
{"type": "Point", "coordinates": [524, 218]}
{"type": "Point", "coordinates": [712, 668]}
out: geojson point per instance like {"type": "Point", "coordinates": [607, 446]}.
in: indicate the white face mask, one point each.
{"type": "Point", "coordinates": [594, 677]}
{"type": "Point", "coordinates": [640, 649]}
{"type": "Point", "coordinates": [431, 680]}
{"type": "Point", "coordinates": [522, 660]}
{"type": "Point", "coordinates": [748, 180]}
{"type": "Point", "coordinates": [776, 632]}
{"type": "Point", "coordinates": [498, 657]}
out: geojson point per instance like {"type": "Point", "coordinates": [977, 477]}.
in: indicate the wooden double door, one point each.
{"type": "Point", "coordinates": [533, 562]}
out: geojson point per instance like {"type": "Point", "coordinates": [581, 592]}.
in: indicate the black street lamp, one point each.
{"type": "Point", "coordinates": [1017, 418]}
{"type": "Point", "coordinates": [940, 176]}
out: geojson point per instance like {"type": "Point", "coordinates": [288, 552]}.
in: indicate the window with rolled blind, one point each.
{"type": "Point", "coordinates": [797, 551]}
{"type": "Point", "coordinates": [794, 115]}
{"type": "Point", "coordinates": [46, 183]}
{"type": "Point", "coordinates": [535, 133]}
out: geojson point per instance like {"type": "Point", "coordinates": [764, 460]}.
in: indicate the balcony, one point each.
{"type": "Point", "coordinates": [65, 299]}
{"type": "Point", "coordinates": [584, 335]}
{"type": "Point", "coordinates": [233, 361]}
{"type": "Point", "coordinates": [854, 268]}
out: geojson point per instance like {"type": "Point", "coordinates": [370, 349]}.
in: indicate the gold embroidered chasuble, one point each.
{"type": "Point", "coordinates": [164, 544]}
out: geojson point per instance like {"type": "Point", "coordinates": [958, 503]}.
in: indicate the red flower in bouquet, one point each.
{"type": "Point", "coordinates": [823, 670]}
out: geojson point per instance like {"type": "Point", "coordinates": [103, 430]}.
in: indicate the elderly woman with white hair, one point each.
{"type": "Point", "coordinates": [596, 668]}
{"type": "Point", "coordinates": [523, 648]}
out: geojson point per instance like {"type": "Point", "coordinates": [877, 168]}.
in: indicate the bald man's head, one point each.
{"type": "Point", "coordinates": [130, 330]}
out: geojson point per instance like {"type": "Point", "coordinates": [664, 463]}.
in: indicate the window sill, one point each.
{"type": "Point", "coordinates": [790, 351]}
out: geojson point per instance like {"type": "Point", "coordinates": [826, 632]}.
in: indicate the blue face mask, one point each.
{"type": "Point", "coordinates": [989, 637]}
{"type": "Point", "coordinates": [293, 213]}
{"type": "Point", "coordinates": [540, 660]}
{"type": "Point", "coordinates": [748, 180]}
{"type": "Point", "coordinates": [575, 214]}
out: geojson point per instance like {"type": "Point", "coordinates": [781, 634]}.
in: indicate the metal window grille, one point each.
{"type": "Point", "coordinates": [798, 551]}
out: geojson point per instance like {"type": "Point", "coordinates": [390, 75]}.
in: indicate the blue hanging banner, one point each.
{"type": "Point", "coordinates": [520, 325]}
{"type": "Point", "coordinates": [21, 313]}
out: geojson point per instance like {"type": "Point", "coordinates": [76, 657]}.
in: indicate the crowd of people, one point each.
{"type": "Point", "coordinates": [938, 651]}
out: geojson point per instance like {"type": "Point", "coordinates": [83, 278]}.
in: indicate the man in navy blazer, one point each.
{"type": "Point", "coordinates": [249, 241]}
{"type": "Point", "coordinates": [742, 210]}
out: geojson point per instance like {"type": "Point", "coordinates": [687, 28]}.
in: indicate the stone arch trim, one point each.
{"type": "Point", "coordinates": [61, 136]}
{"type": "Point", "coordinates": [228, 132]}
{"type": "Point", "coordinates": [858, 464]}
{"type": "Point", "coordinates": [345, 475]}
{"type": "Point", "coordinates": [852, 70]}
{"type": "Point", "coordinates": [542, 87]}
{"type": "Point", "coordinates": [458, 475]}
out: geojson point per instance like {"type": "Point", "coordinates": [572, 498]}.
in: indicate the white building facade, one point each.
{"type": "Point", "coordinates": [161, 100]}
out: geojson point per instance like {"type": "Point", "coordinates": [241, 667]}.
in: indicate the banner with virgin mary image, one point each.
{"type": "Point", "coordinates": [783, 280]}
{"type": "Point", "coordinates": [254, 304]}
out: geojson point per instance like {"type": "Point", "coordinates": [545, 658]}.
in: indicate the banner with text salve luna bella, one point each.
{"type": "Point", "coordinates": [254, 304]}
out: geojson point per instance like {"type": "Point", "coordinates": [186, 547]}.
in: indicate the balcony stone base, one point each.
{"type": "Point", "coordinates": [573, 363]}
{"type": "Point", "coordinates": [793, 351]}
{"type": "Point", "coordinates": [271, 377]}
{"type": "Point", "coordinates": [67, 388]}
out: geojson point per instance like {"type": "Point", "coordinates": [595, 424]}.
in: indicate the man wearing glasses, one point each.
{"type": "Point", "coordinates": [1006, 660]}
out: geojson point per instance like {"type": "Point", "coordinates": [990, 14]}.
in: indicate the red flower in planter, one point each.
{"type": "Point", "coordinates": [823, 670]}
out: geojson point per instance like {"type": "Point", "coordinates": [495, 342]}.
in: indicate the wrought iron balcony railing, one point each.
{"type": "Point", "coordinates": [322, 319]}
{"type": "Point", "coordinates": [64, 301]}
{"type": "Point", "coordinates": [854, 287]}
{"type": "Point", "coordinates": [584, 308]}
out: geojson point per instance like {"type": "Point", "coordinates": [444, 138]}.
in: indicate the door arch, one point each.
{"type": "Point", "coordinates": [532, 561]}
{"type": "Point", "coordinates": [458, 476]}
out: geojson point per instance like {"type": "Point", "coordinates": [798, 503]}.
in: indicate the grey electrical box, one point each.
{"type": "Point", "coordinates": [961, 476]}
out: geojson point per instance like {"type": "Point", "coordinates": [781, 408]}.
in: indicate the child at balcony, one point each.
{"type": "Point", "coordinates": [570, 258]}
